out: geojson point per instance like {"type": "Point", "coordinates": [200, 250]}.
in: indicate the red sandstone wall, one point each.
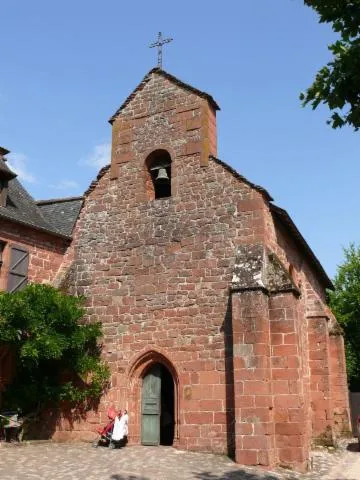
{"type": "Point", "coordinates": [339, 389]}
{"type": "Point", "coordinates": [321, 362]}
{"type": "Point", "coordinates": [157, 273]}
{"type": "Point", "coordinates": [290, 380]}
{"type": "Point", "coordinates": [45, 252]}
{"type": "Point", "coordinates": [162, 115]}
{"type": "Point", "coordinates": [254, 399]}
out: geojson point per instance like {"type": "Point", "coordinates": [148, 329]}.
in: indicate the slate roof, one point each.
{"type": "Point", "coordinates": [283, 216]}
{"type": "Point", "coordinates": [62, 213]}
{"type": "Point", "coordinates": [21, 207]}
{"type": "Point", "coordinates": [173, 79]}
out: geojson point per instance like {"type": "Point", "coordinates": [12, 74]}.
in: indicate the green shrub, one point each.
{"type": "Point", "coordinates": [58, 358]}
{"type": "Point", "coordinates": [345, 303]}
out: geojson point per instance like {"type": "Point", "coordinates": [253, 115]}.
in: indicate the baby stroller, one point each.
{"type": "Point", "coordinates": [106, 433]}
{"type": "Point", "coordinates": [11, 424]}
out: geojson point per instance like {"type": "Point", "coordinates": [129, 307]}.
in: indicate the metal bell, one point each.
{"type": "Point", "coordinates": [162, 175]}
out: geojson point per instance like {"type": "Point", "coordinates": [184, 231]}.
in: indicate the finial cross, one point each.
{"type": "Point", "coordinates": [159, 44]}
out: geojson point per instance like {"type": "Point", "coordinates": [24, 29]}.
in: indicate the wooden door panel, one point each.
{"type": "Point", "coordinates": [150, 408]}
{"type": "Point", "coordinates": [150, 434]}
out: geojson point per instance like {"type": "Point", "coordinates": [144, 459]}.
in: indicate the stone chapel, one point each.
{"type": "Point", "coordinates": [213, 305]}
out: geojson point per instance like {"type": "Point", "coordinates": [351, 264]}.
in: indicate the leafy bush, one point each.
{"type": "Point", "coordinates": [57, 356]}
{"type": "Point", "coordinates": [337, 84]}
{"type": "Point", "coordinates": [345, 303]}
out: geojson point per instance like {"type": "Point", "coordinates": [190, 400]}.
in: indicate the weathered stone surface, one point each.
{"type": "Point", "coordinates": [257, 268]}
{"type": "Point", "coordinates": [277, 278]}
{"type": "Point", "coordinates": [249, 269]}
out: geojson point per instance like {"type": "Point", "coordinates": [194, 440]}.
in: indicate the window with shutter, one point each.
{"type": "Point", "coordinates": [18, 271]}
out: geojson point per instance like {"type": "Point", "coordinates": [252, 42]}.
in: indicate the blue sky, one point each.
{"type": "Point", "coordinates": [67, 66]}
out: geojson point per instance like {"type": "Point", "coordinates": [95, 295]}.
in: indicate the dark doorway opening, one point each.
{"type": "Point", "coordinates": [158, 407]}
{"type": "Point", "coordinates": [167, 416]}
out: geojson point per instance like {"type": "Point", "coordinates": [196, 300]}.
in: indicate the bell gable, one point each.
{"type": "Point", "coordinates": [163, 111]}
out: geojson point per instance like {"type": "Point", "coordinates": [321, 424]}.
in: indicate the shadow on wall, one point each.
{"type": "Point", "coordinates": [227, 329]}
{"type": "Point", "coordinates": [50, 420]}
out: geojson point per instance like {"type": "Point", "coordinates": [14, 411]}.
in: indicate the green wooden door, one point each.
{"type": "Point", "coordinates": [150, 408]}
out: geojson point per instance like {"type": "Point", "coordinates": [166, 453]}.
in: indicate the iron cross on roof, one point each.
{"type": "Point", "coordinates": [159, 43]}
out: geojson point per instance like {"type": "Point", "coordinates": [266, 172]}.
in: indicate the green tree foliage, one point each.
{"type": "Point", "coordinates": [57, 356]}
{"type": "Point", "coordinates": [338, 83]}
{"type": "Point", "coordinates": [345, 303]}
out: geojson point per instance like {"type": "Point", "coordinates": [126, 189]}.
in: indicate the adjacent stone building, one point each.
{"type": "Point", "coordinates": [32, 243]}
{"type": "Point", "coordinates": [213, 305]}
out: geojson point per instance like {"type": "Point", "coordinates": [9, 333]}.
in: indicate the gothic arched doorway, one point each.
{"type": "Point", "coordinates": [157, 406]}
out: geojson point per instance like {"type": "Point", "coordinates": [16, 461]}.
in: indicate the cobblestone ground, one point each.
{"type": "Point", "coordinates": [51, 461]}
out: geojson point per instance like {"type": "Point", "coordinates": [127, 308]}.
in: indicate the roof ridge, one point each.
{"type": "Point", "coordinates": [52, 228]}
{"type": "Point", "coordinates": [285, 217]}
{"type": "Point", "coordinates": [232, 170]}
{"type": "Point", "coordinates": [50, 231]}
{"type": "Point", "coordinates": [93, 184]}
{"type": "Point", "coordinates": [59, 200]}
{"type": "Point", "coordinates": [62, 214]}
{"type": "Point", "coordinates": [24, 196]}
{"type": "Point", "coordinates": [169, 76]}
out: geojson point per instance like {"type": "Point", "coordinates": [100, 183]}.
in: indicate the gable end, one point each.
{"type": "Point", "coordinates": [173, 79]}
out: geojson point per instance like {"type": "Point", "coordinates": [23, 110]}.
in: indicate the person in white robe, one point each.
{"type": "Point", "coordinates": [121, 428]}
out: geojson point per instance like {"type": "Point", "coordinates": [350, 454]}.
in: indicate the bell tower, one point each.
{"type": "Point", "coordinates": [163, 114]}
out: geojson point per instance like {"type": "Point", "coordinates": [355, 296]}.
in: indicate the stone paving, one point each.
{"type": "Point", "coordinates": [56, 461]}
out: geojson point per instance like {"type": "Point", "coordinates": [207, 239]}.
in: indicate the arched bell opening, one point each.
{"type": "Point", "coordinates": [158, 174]}
{"type": "Point", "coordinates": [158, 406]}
